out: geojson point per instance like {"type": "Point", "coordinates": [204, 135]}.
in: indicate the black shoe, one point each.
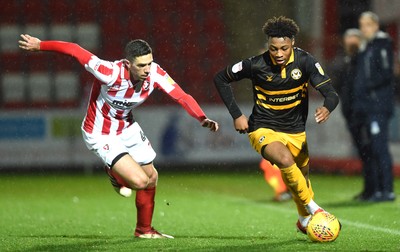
{"type": "Point", "coordinates": [381, 197]}
{"type": "Point", "coordinates": [376, 197]}
{"type": "Point", "coordinates": [363, 196]}
{"type": "Point", "coordinates": [388, 196]}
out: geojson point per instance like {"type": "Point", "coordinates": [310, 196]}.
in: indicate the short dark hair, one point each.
{"type": "Point", "coordinates": [280, 27]}
{"type": "Point", "coordinates": [136, 48]}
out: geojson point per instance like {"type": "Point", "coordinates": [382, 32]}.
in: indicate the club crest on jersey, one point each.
{"type": "Point", "coordinates": [320, 70]}
{"type": "Point", "coordinates": [146, 85]}
{"type": "Point", "coordinates": [269, 78]}
{"type": "Point", "coordinates": [261, 139]}
{"type": "Point", "coordinates": [106, 147]}
{"type": "Point", "coordinates": [296, 74]}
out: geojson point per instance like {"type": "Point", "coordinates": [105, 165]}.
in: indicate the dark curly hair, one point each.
{"type": "Point", "coordinates": [280, 27]}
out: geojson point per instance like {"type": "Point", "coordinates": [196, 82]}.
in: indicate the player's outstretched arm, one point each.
{"type": "Point", "coordinates": [29, 43]}
{"type": "Point", "coordinates": [192, 107]}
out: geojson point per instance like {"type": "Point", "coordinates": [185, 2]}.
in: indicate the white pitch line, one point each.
{"type": "Point", "coordinates": [374, 228]}
{"type": "Point", "coordinates": [346, 222]}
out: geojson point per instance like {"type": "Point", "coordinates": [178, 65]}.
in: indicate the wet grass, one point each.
{"type": "Point", "coordinates": [204, 211]}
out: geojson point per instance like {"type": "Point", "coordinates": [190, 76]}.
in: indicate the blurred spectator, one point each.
{"type": "Point", "coordinates": [372, 108]}
{"type": "Point", "coordinates": [343, 70]}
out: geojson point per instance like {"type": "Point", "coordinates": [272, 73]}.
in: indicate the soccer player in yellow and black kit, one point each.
{"type": "Point", "coordinates": [276, 127]}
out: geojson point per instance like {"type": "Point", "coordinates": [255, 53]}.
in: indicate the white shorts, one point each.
{"type": "Point", "coordinates": [132, 141]}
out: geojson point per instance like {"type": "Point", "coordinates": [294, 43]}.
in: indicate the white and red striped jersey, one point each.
{"type": "Point", "coordinates": [113, 94]}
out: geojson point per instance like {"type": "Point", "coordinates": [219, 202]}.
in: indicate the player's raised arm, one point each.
{"type": "Point", "coordinates": [30, 43]}
{"type": "Point", "coordinates": [101, 69]}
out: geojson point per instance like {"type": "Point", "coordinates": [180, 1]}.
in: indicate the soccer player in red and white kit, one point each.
{"type": "Point", "coordinates": [109, 129]}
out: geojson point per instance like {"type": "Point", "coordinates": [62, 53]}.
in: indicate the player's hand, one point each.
{"type": "Point", "coordinates": [212, 125]}
{"type": "Point", "coordinates": [29, 43]}
{"type": "Point", "coordinates": [241, 124]}
{"type": "Point", "coordinates": [321, 115]}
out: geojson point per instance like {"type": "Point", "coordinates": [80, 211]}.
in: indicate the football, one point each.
{"type": "Point", "coordinates": [323, 227]}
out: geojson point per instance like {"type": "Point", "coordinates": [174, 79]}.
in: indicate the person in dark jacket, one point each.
{"type": "Point", "coordinates": [344, 68]}
{"type": "Point", "coordinates": [372, 107]}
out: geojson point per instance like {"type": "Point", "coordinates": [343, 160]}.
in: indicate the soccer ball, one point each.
{"type": "Point", "coordinates": [323, 227]}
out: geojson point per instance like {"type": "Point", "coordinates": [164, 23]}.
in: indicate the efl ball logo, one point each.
{"type": "Point", "coordinates": [323, 227]}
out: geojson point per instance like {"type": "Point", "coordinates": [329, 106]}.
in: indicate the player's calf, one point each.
{"type": "Point", "coordinates": [118, 183]}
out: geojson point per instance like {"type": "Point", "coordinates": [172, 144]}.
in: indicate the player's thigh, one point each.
{"type": "Point", "coordinates": [278, 154]}
{"type": "Point", "coordinates": [132, 173]}
{"type": "Point", "coordinates": [272, 146]}
{"type": "Point", "coordinates": [297, 145]}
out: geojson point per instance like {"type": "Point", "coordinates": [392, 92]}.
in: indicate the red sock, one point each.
{"type": "Point", "coordinates": [145, 208]}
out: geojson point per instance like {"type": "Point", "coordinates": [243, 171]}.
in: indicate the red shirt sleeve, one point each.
{"type": "Point", "coordinates": [187, 102]}
{"type": "Point", "coordinates": [72, 49]}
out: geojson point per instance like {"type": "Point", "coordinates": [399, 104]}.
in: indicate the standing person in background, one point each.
{"type": "Point", "coordinates": [372, 107]}
{"type": "Point", "coordinates": [276, 127]}
{"type": "Point", "coordinates": [343, 76]}
{"type": "Point", "coordinates": [344, 71]}
{"type": "Point", "coordinates": [109, 129]}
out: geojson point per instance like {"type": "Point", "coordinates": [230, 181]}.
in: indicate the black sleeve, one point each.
{"type": "Point", "coordinates": [223, 79]}
{"type": "Point", "coordinates": [321, 81]}
{"type": "Point", "coordinates": [331, 97]}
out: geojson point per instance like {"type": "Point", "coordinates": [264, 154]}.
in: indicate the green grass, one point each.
{"type": "Point", "coordinates": [205, 212]}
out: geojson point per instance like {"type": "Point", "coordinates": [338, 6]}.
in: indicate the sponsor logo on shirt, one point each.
{"type": "Point", "coordinates": [284, 99]}
{"type": "Point", "coordinates": [122, 104]}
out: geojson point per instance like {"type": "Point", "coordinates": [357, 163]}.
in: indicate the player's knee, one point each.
{"type": "Point", "coordinates": [139, 182]}
{"type": "Point", "coordinates": [285, 161]}
{"type": "Point", "coordinates": [153, 178]}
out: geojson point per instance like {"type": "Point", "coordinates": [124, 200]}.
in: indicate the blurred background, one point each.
{"type": "Point", "coordinates": [43, 96]}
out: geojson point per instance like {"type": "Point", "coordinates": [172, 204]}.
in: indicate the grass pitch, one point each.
{"type": "Point", "coordinates": [204, 211]}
